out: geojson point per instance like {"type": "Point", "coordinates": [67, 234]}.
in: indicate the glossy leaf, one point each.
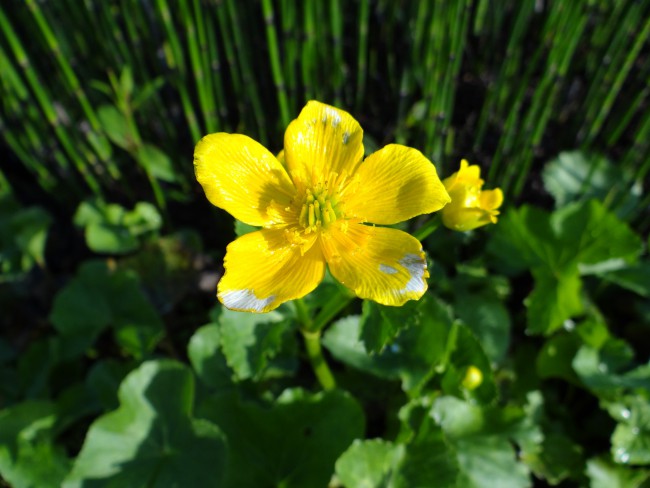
{"type": "Point", "coordinates": [631, 438]}
{"type": "Point", "coordinates": [251, 343]}
{"type": "Point", "coordinates": [293, 442]}
{"type": "Point", "coordinates": [152, 439]}
{"type": "Point", "coordinates": [412, 357]}
{"type": "Point", "coordinates": [208, 361]}
{"type": "Point", "coordinates": [603, 473]}
{"type": "Point", "coordinates": [576, 175]}
{"type": "Point", "coordinates": [29, 457]}
{"type": "Point", "coordinates": [368, 464]}
{"type": "Point", "coordinates": [556, 298]}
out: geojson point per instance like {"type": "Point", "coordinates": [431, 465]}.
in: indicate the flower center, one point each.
{"type": "Point", "coordinates": [319, 209]}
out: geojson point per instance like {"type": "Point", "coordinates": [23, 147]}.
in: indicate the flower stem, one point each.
{"type": "Point", "coordinates": [303, 314]}
{"type": "Point", "coordinates": [317, 360]}
{"type": "Point", "coordinates": [337, 303]}
{"type": "Point", "coordinates": [427, 228]}
{"type": "Point", "coordinates": [312, 336]}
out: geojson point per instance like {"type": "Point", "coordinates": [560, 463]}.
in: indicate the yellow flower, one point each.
{"type": "Point", "coordinates": [313, 204]}
{"type": "Point", "coordinates": [470, 207]}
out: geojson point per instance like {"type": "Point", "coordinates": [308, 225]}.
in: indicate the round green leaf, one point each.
{"type": "Point", "coordinates": [151, 439]}
{"type": "Point", "coordinates": [294, 443]}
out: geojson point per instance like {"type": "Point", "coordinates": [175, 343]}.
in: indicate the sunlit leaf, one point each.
{"type": "Point", "coordinates": [631, 438]}
{"type": "Point", "coordinates": [204, 351]}
{"type": "Point", "coordinates": [555, 298]}
{"type": "Point", "coordinates": [603, 473]}
{"type": "Point", "coordinates": [152, 439]}
{"type": "Point", "coordinates": [292, 443]}
{"type": "Point", "coordinates": [368, 464]}
{"type": "Point", "coordinates": [251, 343]}
{"type": "Point", "coordinates": [576, 175]}
{"type": "Point", "coordinates": [412, 357]}
{"type": "Point", "coordinates": [29, 457]}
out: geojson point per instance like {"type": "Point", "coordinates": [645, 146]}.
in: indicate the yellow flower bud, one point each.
{"type": "Point", "coordinates": [473, 378]}
{"type": "Point", "coordinates": [470, 207]}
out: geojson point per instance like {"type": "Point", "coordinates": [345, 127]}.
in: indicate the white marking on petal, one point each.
{"type": "Point", "coordinates": [384, 268]}
{"type": "Point", "coordinates": [346, 137]}
{"type": "Point", "coordinates": [245, 300]}
{"type": "Point", "coordinates": [336, 117]}
{"type": "Point", "coordinates": [416, 265]}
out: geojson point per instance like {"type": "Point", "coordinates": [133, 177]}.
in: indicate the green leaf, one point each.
{"type": "Point", "coordinates": [151, 439]}
{"type": "Point", "coordinates": [367, 463]}
{"type": "Point", "coordinates": [251, 341]}
{"type": "Point", "coordinates": [588, 234]}
{"type": "Point", "coordinates": [241, 228]}
{"type": "Point", "coordinates": [104, 379]}
{"type": "Point", "coordinates": [555, 358]}
{"type": "Point", "coordinates": [412, 357]}
{"type": "Point", "coordinates": [466, 352]}
{"type": "Point", "coordinates": [82, 308]}
{"type": "Point", "coordinates": [156, 162]}
{"type": "Point", "coordinates": [111, 229]}
{"type": "Point", "coordinates": [23, 233]}
{"type": "Point", "coordinates": [575, 175]}
{"type": "Point", "coordinates": [488, 319]}
{"type": "Point", "coordinates": [29, 458]}
{"type": "Point", "coordinates": [146, 92]}
{"type": "Point", "coordinates": [426, 458]}
{"type": "Point", "coordinates": [204, 351]}
{"type": "Point", "coordinates": [558, 458]}
{"type": "Point", "coordinates": [98, 298]}
{"type": "Point", "coordinates": [115, 126]}
{"type": "Point", "coordinates": [603, 474]}
{"type": "Point", "coordinates": [29, 228]}
{"type": "Point", "coordinates": [555, 298]}
{"type": "Point", "coordinates": [606, 371]}
{"type": "Point", "coordinates": [631, 438]}
{"type": "Point", "coordinates": [427, 461]}
{"type": "Point", "coordinates": [635, 277]}
{"type": "Point", "coordinates": [110, 239]}
{"type": "Point", "coordinates": [292, 443]}
{"type": "Point", "coordinates": [137, 326]}
{"type": "Point", "coordinates": [580, 238]}
{"type": "Point", "coordinates": [482, 441]}
{"type": "Point", "coordinates": [380, 324]}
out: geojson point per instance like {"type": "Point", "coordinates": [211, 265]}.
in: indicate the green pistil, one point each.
{"type": "Point", "coordinates": [318, 210]}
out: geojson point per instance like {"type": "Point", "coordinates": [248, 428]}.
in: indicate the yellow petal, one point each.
{"type": "Point", "coordinates": [463, 219]}
{"type": "Point", "coordinates": [467, 176]}
{"type": "Point", "coordinates": [491, 199]}
{"type": "Point", "coordinates": [322, 140]}
{"type": "Point", "coordinates": [263, 271]}
{"type": "Point", "coordinates": [381, 264]}
{"type": "Point", "coordinates": [242, 177]}
{"type": "Point", "coordinates": [394, 184]}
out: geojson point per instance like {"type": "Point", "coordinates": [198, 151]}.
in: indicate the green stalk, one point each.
{"type": "Point", "coordinates": [621, 75]}
{"type": "Point", "coordinates": [311, 336]}
{"type": "Point", "coordinates": [336, 63]}
{"type": "Point", "coordinates": [308, 50]}
{"type": "Point", "coordinates": [317, 360]}
{"type": "Point", "coordinates": [362, 54]}
{"type": "Point", "coordinates": [428, 228]}
{"type": "Point", "coordinates": [249, 77]}
{"type": "Point", "coordinates": [276, 67]}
